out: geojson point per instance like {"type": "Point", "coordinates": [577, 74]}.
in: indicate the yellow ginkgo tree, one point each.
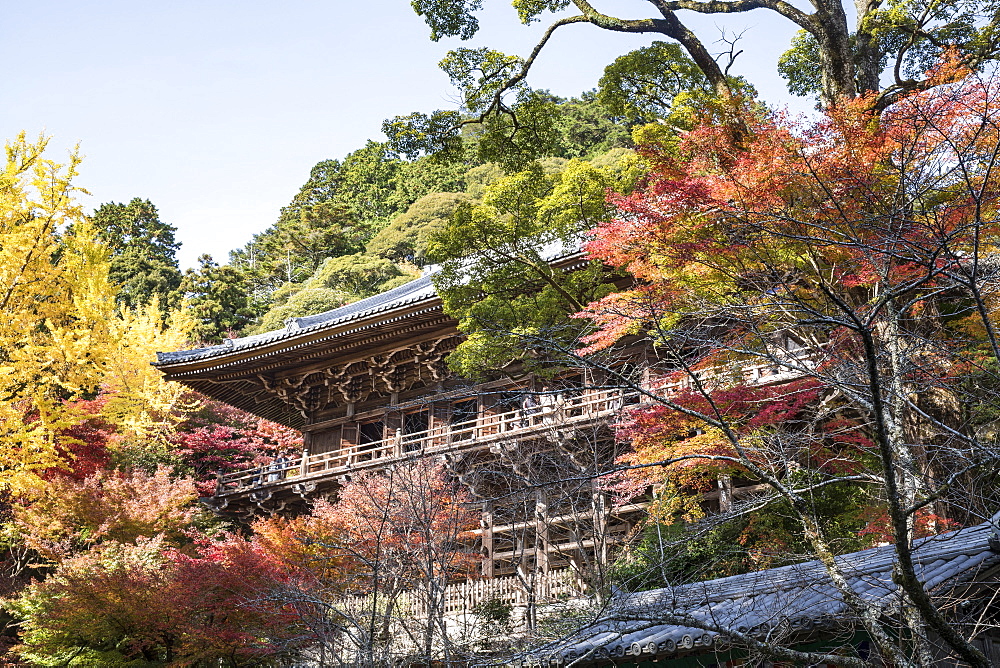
{"type": "Point", "coordinates": [61, 337]}
{"type": "Point", "coordinates": [140, 403]}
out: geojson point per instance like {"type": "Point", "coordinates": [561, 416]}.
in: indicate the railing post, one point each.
{"type": "Point", "coordinates": [219, 487]}
{"type": "Point", "coordinates": [304, 465]}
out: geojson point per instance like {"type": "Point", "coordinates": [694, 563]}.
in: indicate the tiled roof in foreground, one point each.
{"type": "Point", "coordinates": [786, 600]}
{"type": "Point", "coordinates": [415, 291]}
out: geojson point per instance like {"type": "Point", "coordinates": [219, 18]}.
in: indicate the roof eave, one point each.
{"type": "Point", "coordinates": [293, 339]}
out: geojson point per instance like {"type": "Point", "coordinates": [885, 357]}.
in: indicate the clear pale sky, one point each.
{"type": "Point", "coordinates": [216, 110]}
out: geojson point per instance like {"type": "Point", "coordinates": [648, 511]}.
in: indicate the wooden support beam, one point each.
{"type": "Point", "coordinates": [599, 503]}
{"type": "Point", "coordinates": [541, 532]}
{"type": "Point", "coordinates": [489, 566]}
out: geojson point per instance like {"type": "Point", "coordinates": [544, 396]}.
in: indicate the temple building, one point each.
{"type": "Point", "coordinates": [369, 387]}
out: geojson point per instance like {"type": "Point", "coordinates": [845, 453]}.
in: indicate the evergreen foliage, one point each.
{"type": "Point", "coordinates": [660, 83]}
{"type": "Point", "coordinates": [497, 278]}
{"type": "Point", "coordinates": [143, 252]}
{"type": "Point", "coordinates": [405, 238]}
{"type": "Point", "coordinates": [340, 280]}
{"type": "Point", "coordinates": [375, 203]}
{"type": "Point", "coordinates": [218, 299]}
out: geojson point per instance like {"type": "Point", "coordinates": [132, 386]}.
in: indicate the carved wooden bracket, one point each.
{"type": "Point", "coordinates": [392, 372]}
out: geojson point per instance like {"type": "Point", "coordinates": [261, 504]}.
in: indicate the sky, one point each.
{"type": "Point", "coordinates": [215, 110]}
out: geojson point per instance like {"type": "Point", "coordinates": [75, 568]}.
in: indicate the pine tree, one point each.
{"type": "Point", "coordinates": [143, 252]}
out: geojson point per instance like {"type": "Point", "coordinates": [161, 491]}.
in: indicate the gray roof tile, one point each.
{"type": "Point", "coordinates": [556, 251]}
{"type": "Point", "coordinates": [801, 596]}
{"type": "Point", "coordinates": [409, 293]}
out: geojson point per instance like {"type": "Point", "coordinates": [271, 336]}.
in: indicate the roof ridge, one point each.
{"type": "Point", "coordinates": [411, 292]}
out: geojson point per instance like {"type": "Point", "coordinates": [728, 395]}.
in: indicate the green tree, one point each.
{"type": "Point", "coordinates": [497, 277]}
{"type": "Point", "coordinates": [528, 129]}
{"type": "Point", "coordinates": [293, 248]}
{"type": "Point", "coordinates": [428, 175]}
{"type": "Point", "coordinates": [369, 183]}
{"type": "Point", "coordinates": [479, 177]}
{"type": "Point", "coordinates": [143, 252]}
{"type": "Point", "coordinates": [538, 125]}
{"type": "Point", "coordinates": [405, 238]}
{"type": "Point", "coordinates": [334, 213]}
{"type": "Point", "coordinates": [831, 57]}
{"type": "Point", "coordinates": [340, 280]}
{"type": "Point", "coordinates": [219, 300]}
{"type": "Point", "coordinates": [366, 183]}
{"type": "Point", "coordinates": [587, 128]}
{"type": "Point", "coordinates": [659, 82]}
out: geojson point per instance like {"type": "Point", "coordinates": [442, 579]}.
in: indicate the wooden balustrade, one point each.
{"type": "Point", "coordinates": [464, 598]}
{"type": "Point", "coordinates": [562, 410]}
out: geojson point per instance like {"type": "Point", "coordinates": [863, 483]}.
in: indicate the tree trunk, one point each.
{"type": "Point", "coordinates": [837, 73]}
{"type": "Point", "coordinates": [867, 53]}
{"type": "Point", "coordinates": [671, 26]}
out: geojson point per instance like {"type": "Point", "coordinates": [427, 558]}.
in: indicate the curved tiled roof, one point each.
{"type": "Point", "coordinates": [556, 251]}
{"type": "Point", "coordinates": [413, 292]}
{"type": "Point", "coordinates": [794, 598]}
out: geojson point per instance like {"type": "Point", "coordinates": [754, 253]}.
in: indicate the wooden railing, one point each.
{"type": "Point", "coordinates": [464, 598]}
{"type": "Point", "coordinates": [775, 372]}
{"type": "Point", "coordinates": [555, 411]}
{"type": "Point", "coordinates": [563, 411]}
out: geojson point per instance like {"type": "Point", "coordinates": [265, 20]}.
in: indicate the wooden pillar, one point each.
{"type": "Point", "coordinates": [489, 566]}
{"type": "Point", "coordinates": [306, 443]}
{"type": "Point", "coordinates": [725, 494]}
{"type": "Point", "coordinates": [521, 553]}
{"type": "Point", "coordinates": [600, 518]}
{"type": "Point", "coordinates": [541, 532]}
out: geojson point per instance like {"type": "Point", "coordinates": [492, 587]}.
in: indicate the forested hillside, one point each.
{"type": "Point", "coordinates": [362, 224]}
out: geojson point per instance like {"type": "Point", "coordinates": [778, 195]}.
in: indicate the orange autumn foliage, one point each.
{"type": "Point", "coordinates": [69, 516]}
{"type": "Point", "coordinates": [781, 251]}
